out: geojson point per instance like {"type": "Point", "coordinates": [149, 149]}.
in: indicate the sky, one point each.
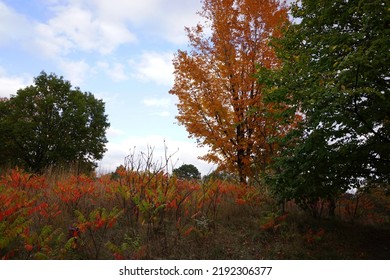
{"type": "Point", "coordinates": [121, 51]}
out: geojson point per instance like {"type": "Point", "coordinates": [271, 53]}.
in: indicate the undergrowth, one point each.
{"type": "Point", "coordinates": [141, 212]}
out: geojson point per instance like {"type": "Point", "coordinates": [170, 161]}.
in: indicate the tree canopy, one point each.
{"type": "Point", "coordinates": [51, 124]}
{"type": "Point", "coordinates": [187, 171]}
{"type": "Point", "coordinates": [220, 100]}
{"type": "Point", "coordinates": [335, 75]}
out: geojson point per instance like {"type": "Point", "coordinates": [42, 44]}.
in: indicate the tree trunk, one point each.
{"type": "Point", "coordinates": [241, 166]}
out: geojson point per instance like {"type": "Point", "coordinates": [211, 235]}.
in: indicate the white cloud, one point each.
{"type": "Point", "coordinates": [13, 26]}
{"type": "Point", "coordinates": [9, 85]}
{"type": "Point", "coordinates": [74, 71]}
{"type": "Point", "coordinates": [165, 19]}
{"type": "Point", "coordinates": [164, 114]}
{"type": "Point", "coordinates": [101, 26]}
{"type": "Point", "coordinates": [156, 102]}
{"type": "Point", "coordinates": [115, 71]}
{"type": "Point", "coordinates": [155, 67]}
{"type": "Point", "coordinates": [48, 43]}
{"type": "Point", "coordinates": [124, 10]}
{"type": "Point", "coordinates": [173, 17]}
{"type": "Point", "coordinates": [97, 25]}
{"type": "Point", "coordinates": [74, 28]}
{"type": "Point", "coordinates": [113, 132]}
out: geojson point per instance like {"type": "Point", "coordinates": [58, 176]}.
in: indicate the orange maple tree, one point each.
{"type": "Point", "coordinates": [220, 100]}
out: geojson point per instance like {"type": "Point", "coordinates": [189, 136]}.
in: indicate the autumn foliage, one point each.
{"type": "Point", "coordinates": [142, 211]}
{"type": "Point", "coordinates": [146, 214]}
{"type": "Point", "coordinates": [80, 217]}
{"type": "Point", "coordinates": [220, 100]}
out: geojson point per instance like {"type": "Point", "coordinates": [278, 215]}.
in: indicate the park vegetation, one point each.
{"type": "Point", "coordinates": [296, 114]}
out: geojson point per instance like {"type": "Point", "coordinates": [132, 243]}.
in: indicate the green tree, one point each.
{"type": "Point", "coordinates": [51, 124]}
{"type": "Point", "coordinates": [5, 152]}
{"type": "Point", "coordinates": [335, 76]}
{"type": "Point", "coordinates": [187, 171]}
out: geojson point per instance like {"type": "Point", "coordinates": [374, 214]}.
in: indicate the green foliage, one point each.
{"type": "Point", "coordinates": [187, 171]}
{"type": "Point", "coordinates": [5, 152]}
{"type": "Point", "coordinates": [45, 244]}
{"type": "Point", "coordinates": [51, 124]}
{"type": "Point", "coordinates": [335, 77]}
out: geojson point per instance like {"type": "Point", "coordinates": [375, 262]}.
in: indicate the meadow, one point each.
{"type": "Point", "coordinates": [146, 213]}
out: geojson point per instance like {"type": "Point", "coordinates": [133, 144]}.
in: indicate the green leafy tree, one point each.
{"type": "Point", "coordinates": [187, 171]}
{"type": "Point", "coordinates": [335, 76]}
{"type": "Point", "coordinates": [51, 124]}
{"type": "Point", "coordinates": [4, 131]}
